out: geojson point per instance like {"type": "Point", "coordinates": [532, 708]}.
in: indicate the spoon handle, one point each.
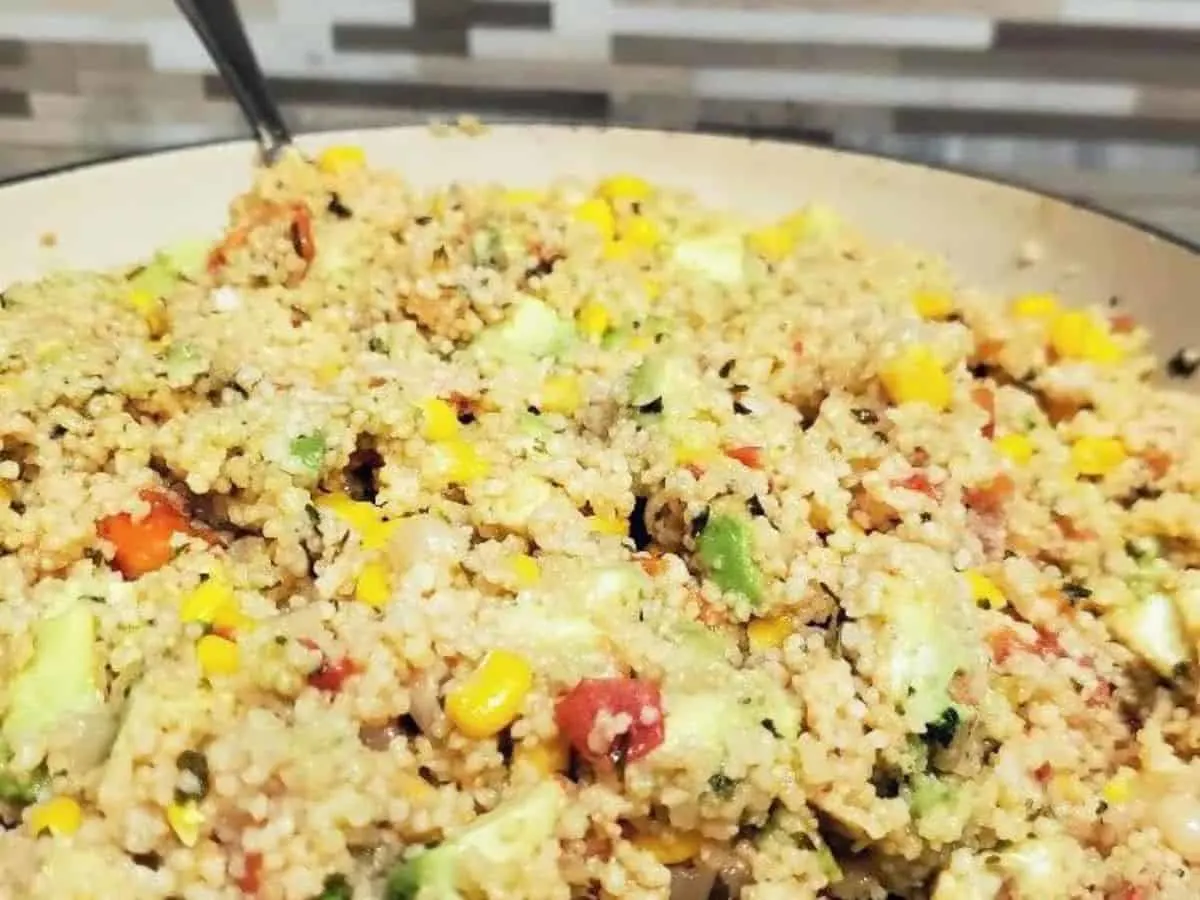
{"type": "Point", "coordinates": [219, 26]}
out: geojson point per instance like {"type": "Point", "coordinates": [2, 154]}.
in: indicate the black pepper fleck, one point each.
{"type": "Point", "coordinates": [654, 406]}
{"type": "Point", "coordinates": [1184, 363]}
{"type": "Point", "coordinates": [338, 208]}
{"type": "Point", "coordinates": [727, 368]}
{"type": "Point", "coordinates": [864, 416]}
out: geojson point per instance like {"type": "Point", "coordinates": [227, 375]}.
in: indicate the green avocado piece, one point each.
{"type": "Point", "coordinates": [724, 548]}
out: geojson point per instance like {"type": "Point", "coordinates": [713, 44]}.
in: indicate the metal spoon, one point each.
{"type": "Point", "coordinates": [219, 26]}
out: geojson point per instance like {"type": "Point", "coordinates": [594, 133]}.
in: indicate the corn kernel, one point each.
{"type": "Point", "coordinates": [491, 696]}
{"type": "Point", "coordinates": [984, 591]}
{"type": "Point", "coordinates": [916, 376]}
{"type": "Point", "coordinates": [439, 420]}
{"type": "Point", "coordinates": [373, 585]}
{"type": "Point", "coordinates": [617, 249]}
{"type": "Point", "coordinates": [639, 343]}
{"type": "Point", "coordinates": [641, 232]}
{"type": "Point", "coordinates": [1016, 447]}
{"type": "Point", "coordinates": [594, 320]}
{"type": "Point", "coordinates": [560, 394]}
{"type": "Point", "coordinates": [813, 221]}
{"type": "Point", "coordinates": [209, 597]}
{"type": "Point", "coordinates": [341, 158]}
{"type": "Point", "coordinates": [652, 288]}
{"type": "Point", "coordinates": [525, 569]}
{"type": "Point", "coordinates": [367, 520]}
{"type": "Point", "coordinates": [691, 454]}
{"type": "Point", "coordinates": [151, 309]}
{"type": "Point", "coordinates": [933, 304]}
{"type": "Point", "coordinates": [670, 847]}
{"type": "Point", "coordinates": [61, 816]}
{"type": "Point", "coordinates": [1097, 456]}
{"type": "Point", "coordinates": [458, 462]}
{"type": "Point", "coordinates": [216, 655]}
{"type": "Point", "coordinates": [773, 242]}
{"type": "Point", "coordinates": [185, 820]}
{"type": "Point", "coordinates": [522, 196]}
{"type": "Point", "coordinates": [625, 187]}
{"type": "Point", "coordinates": [414, 787]}
{"type": "Point", "coordinates": [327, 373]}
{"type": "Point", "coordinates": [599, 215]}
{"type": "Point", "coordinates": [614, 525]}
{"type": "Point", "coordinates": [1035, 306]}
{"type": "Point", "coordinates": [1080, 335]}
{"type": "Point", "coordinates": [6, 494]}
{"type": "Point", "coordinates": [546, 757]}
{"type": "Point", "coordinates": [1119, 788]}
{"type": "Point", "coordinates": [768, 633]}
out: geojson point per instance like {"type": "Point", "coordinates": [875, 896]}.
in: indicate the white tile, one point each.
{"type": "Point", "coordinates": [529, 44]}
{"type": "Point", "coordinates": [1135, 13]}
{"type": "Point", "coordinates": [795, 26]}
{"type": "Point", "coordinates": [907, 90]}
{"type": "Point", "coordinates": [586, 23]}
{"type": "Point", "coordinates": [381, 12]}
{"type": "Point", "coordinates": [70, 27]}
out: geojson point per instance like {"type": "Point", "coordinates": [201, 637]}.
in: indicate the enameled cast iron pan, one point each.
{"type": "Point", "coordinates": [997, 237]}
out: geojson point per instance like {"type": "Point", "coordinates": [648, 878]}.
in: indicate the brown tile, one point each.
{"type": "Point", "coordinates": [438, 14]}
{"type": "Point", "coordinates": [13, 52]}
{"type": "Point", "coordinates": [1062, 36]}
{"type": "Point", "coordinates": [632, 48]}
{"type": "Point", "coordinates": [1049, 64]}
{"type": "Point", "coordinates": [1174, 103]}
{"type": "Point", "coordinates": [396, 39]}
{"type": "Point", "coordinates": [89, 55]}
{"type": "Point", "coordinates": [14, 104]}
{"type": "Point", "coordinates": [145, 85]}
{"type": "Point", "coordinates": [59, 79]}
{"type": "Point", "coordinates": [1055, 125]}
{"type": "Point", "coordinates": [581, 75]}
{"type": "Point", "coordinates": [582, 105]}
{"type": "Point", "coordinates": [511, 15]}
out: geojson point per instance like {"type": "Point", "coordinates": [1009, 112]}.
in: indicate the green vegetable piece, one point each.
{"type": "Point", "coordinates": [1152, 628]}
{"type": "Point", "coordinates": [186, 258]}
{"type": "Point", "coordinates": [665, 383]}
{"type": "Point", "coordinates": [941, 731]}
{"type": "Point", "coordinates": [487, 248]}
{"type": "Point", "coordinates": [532, 330]}
{"type": "Point", "coordinates": [309, 450]}
{"type": "Point", "coordinates": [722, 785]}
{"type": "Point", "coordinates": [336, 887]}
{"type": "Point", "coordinates": [61, 678]}
{"type": "Point", "coordinates": [719, 257]}
{"type": "Point", "coordinates": [724, 548]}
{"type": "Point", "coordinates": [926, 793]}
{"type": "Point", "coordinates": [506, 837]}
{"type": "Point", "coordinates": [157, 278]}
{"type": "Point", "coordinates": [22, 789]}
{"type": "Point", "coordinates": [828, 864]}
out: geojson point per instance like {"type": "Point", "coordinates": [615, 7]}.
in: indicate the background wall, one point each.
{"type": "Point", "coordinates": [1097, 98]}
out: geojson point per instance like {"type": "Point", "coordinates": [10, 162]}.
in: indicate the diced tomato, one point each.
{"type": "Point", "coordinates": [988, 349]}
{"type": "Point", "coordinates": [651, 564]}
{"type": "Point", "coordinates": [990, 497]}
{"type": "Point", "coordinates": [1043, 773]}
{"type": "Point", "coordinates": [1002, 644]}
{"type": "Point", "coordinates": [143, 545]}
{"type": "Point", "coordinates": [1158, 461]}
{"type": "Point", "coordinates": [696, 469]}
{"type": "Point", "coordinates": [919, 482]}
{"type": "Point", "coordinates": [751, 457]}
{"type": "Point", "coordinates": [329, 675]}
{"type": "Point", "coordinates": [251, 878]}
{"type": "Point", "coordinates": [798, 347]}
{"type": "Point", "coordinates": [1071, 531]}
{"type": "Point", "coordinates": [1128, 891]}
{"type": "Point", "coordinates": [578, 709]}
{"type": "Point", "coordinates": [1101, 695]}
{"type": "Point", "coordinates": [985, 399]}
{"type": "Point", "coordinates": [302, 232]}
{"type": "Point", "coordinates": [1122, 324]}
{"type": "Point", "coordinates": [1047, 645]}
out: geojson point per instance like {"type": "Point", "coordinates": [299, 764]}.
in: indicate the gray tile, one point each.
{"type": "Point", "coordinates": [13, 52]}
{"type": "Point", "coordinates": [511, 15]}
{"type": "Point", "coordinates": [1067, 63]}
{"type": "Point", "coordinates": [700, 52]}
{"type": "Point", "coordinates": [14, 104]}
{"type": "Point", "coordinates": [957, 121]}
{"type": "Point", "coordinates": [440, 41]}
{"type": "Point", "coordinates": [442, 13]}
{"type": "Point", "coordinates": [1109, 39]}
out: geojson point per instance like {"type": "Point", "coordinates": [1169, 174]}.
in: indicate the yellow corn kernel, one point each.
{"type": "Point", "coordinates": [560, 394]}
{"type": "Point", "coordinates": [367, 520]}
{"type": "Point", "coordinates": [1016, 447]}
{"type": "Point", "coordinates": [594, 320]}
{"type": "Point", "coordinates": [327, 373]}
{"type": "Point", "coordinates": [1097, 456]}
{"type": "Point", "coordinates": [690, 454]}
{"type": "Point", "coordinates": [652, 288]}
{"type": "Point", "coordinates": [522, 196]}
{"type": "Point", "coordinates": [1068, 788]}
{"type": "Point", "coordinates": [641, 232]}
{"type": "Point", "coordinates": [609, 525]}
{"type": "Point", "coordinates": [599, 215]}
{"type": "Point", "coordinates": [526, 569]}
{"type": "Point", "coordinates": [984, 591]}
{"type": "Point", "coordinates": [216, 655]}
{"type": "Point", "coordinates": [151, 309]}
{"type": "Point", "coordinates": [185, 820]}
{"type": "Point", "coordinates": [546, 757]}
{"type": "Point", "coordinates": [6, 494]}
{"type": "Point", "coordinates": [773, 242]}
{"type": "Point", "coordinates": [625, 187]}
{"type": "Point", "coordinates": [341, 158]}
{"type": "Point", "coordinates": [768, 633]}
{"type": "Point", "coordinates": [1119, 788]}
{"type": "Point", "coordinates": [373, 585]}
{"type": "Point", "coordinates": [460, 463]}
{"type": "Point", "coordinates": [1035, 306]}
{"type": "Point", "coordinates": [209, 597]}
{"type": "Point", "coordinates": [916, 376]}
{"type": "Point", "coordinates": [616, 249]}
{"type": "Point", "coordinates": [639, 343]}
{"type": "Point", "coordinates": [491, 696]}
{"type": "Point", "coordinates": [49, 351]}
{"type": "Point", "coordinates": [61, 816]}
{"type": "Point", "coordinates": [813, 221]}
{"type": "Point", "coordinates": [1080, 335]}
{"type": "Point", "coordinates": [439, 420]}
{"type": "Point", "coordinates": [933, 304]}
{"type": "Point", "coordinates": [670, 847]}
{"type": "Point", "coordinates": [414, 787]}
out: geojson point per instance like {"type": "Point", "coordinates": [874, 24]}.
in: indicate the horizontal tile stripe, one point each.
{"type": "Point", "coordinates": [1111, 39]}
{"type": "Point", "coordinates": [14, 104]}
{"type": "Point", "coordinates": [910, 120]}
{"type": "Point", "coordinates": [381, 38]}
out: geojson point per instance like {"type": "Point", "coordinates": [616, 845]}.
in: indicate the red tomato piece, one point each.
{"type": "Point", "coordinates": [578, 709]}
{"type": "Point", "coordinates": [751, 457]}
{"type": "Point", "coordinates": [985, 399]}
{"type": "Point", "coordinates": [143, 545]}
{"type": "Point", "coordinates": [919, 482]}
{"type": "Point", "coordinates": [329, 675]}
{"type": "Point", "coordinates": [989, 497]}
{"type": "Point", "coordinates": [1122, 324]}
{"type": "Point", "coordinates": [251, 878]}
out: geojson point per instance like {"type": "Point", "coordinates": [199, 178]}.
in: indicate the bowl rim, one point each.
{"type": "Point", "coordinates": [1002, 181]}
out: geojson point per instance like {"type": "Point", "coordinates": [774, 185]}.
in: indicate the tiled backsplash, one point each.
{"type": "Point", "coordinates": [1096, 98]}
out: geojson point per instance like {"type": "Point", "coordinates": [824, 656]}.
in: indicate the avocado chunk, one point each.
{"type": "Point", "coordinates": [504, 839]}
{"type": "Point", "coordinates": [532, 330]}
{"type": "Point", "coordinates": [719, 257]}
{"type": "Point", "coordinates": [1152, 628]}
{"type": "Point", "coordinates": [724, 548]}
{"type": "Point", "coordinates": [22, 788]}
{"type": "Point", "coordinates": [664, 384]}
{"type": "Point", "coordinates": [61, 678]}
{"type": "Point", "coordinates": [925, 653]}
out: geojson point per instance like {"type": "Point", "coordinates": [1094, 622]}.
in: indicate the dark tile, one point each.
{"type": "Point", "coordinates": [511, 15]}
{"type": "Point", "coordinates": [1058, 125]}
{"type": "Point", "coordinates": [14, 104]}
{"type": "Point", "coordinates": [576, 105]}
{"type": "Point", "coordinates": [441, 14]}
{"type": "Point", "coordinates": [13, 52]}
{"type": "Point", "coordinates": [640, 49]}
{"type": "Point", "coordinates": [797, 133]}
{"type": "Point", "coordinates": [426, 41]}
{"type": "Point", "coordinates": [1042, 36]}
{"type": "Point", "coordinates": [1045, 64]}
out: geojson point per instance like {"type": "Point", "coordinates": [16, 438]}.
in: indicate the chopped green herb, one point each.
{"type": "Point", "coordinates": [722, 785]}
{"type": "Point", "coordinates": [336, 887]}
{"type": "Point", "coordinates": [309, 450]}
{"type": "Point", "coordinates": [377, 345]}
{"type": "Point", "coordinates": [941, 730]}
{"type": "Point", "coordinates": [195, 764]}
